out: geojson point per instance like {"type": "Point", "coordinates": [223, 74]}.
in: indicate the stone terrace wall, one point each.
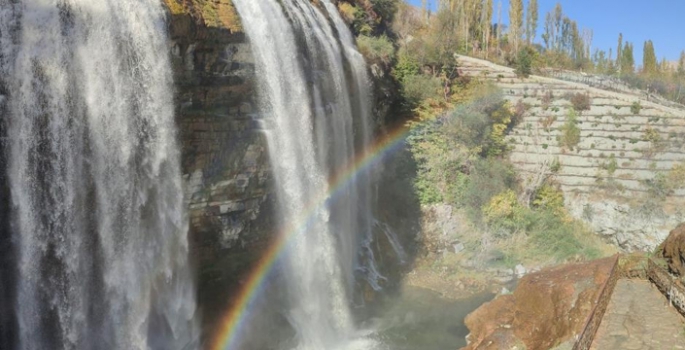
{"type": "Point", "coordinates": [616, 203]}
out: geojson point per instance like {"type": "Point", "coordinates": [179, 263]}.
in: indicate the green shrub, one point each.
{"type": "Point", "coordinates": [580, 102]}
{"type": "Point", "coordinates": [417, 88]}
{"type": "Point", "coordinates": [635, 108]}
{"type": "Point", "coordinates": [524, 62]}
{"type": "Point", "coordinates": [611, 166]}
{"type": "Point", "coordinates": [448, 151]}
{"type": "Point", "coordinates": [520, 110]}
{"type": "Point", "coordinates": [547, 122]}
{"type": "Point", "coordinates": [504, 212]}
{"type": "Point", "coordinates": [376, 49]}
{"type": "Point", "coordinates": [675, 178]}
{"type": "Point", "coordinates": [547, 227]}
{"type": "Point", "coordinates": [547, 99]}
{"type": "Point", "coordinates": [549, 197]}
{"type": "Point", "coordinates": [555, 167]}
{"type": "Point", "coordinates": [481, 125]}
{"type": "Point", "coordinates": [570, 133]}
{"type": "Point", "coordinates": [488, 177]}
{"type": "Point", "coordinates": [348, 11]}
{"type": "Point", "coordinates": [406, 66]}
{"type": "Point", "coordinates": [385, 9]}
{"type": "Point", "coordinates": [557, 237]}
{"type": "Point", "coordinates": [658, 187]}
{"type": "Point", "coordinates": [652, 135]}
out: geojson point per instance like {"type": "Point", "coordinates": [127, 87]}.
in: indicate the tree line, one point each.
{"type": "Point", "coordinates": [478, 29]}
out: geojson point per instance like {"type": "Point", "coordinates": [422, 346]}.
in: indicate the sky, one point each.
{"type": "Point", "coordinates": [662, 21]}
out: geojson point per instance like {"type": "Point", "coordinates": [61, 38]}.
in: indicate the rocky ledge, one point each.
{"type": "Point", "coordinates": [548, 308]}
{"type": "Point", "coordinates": [673, 250]}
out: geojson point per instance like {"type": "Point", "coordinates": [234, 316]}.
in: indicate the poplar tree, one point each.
{"type": "Point", "coordinates": [487, 25]}
{"type": "Point", "coordinates": [515, 22]}
{"type": "Point", "coordinates": [474, 19]}
{"type": "Point", "coordinates": [532, 21]}
{"type": "Point", "coordinates": [548, 35]}
{"type": "Point", "coordinates": [577, 43]}
{"type": "Point", "coordinates": [588, 35]}
{"type": "Point", "coordinates": [681, 65]}
{"type": "Point", "coordinates": [611, 66]}
{"type": "Point", "coordinates": [558, 23]}
{"type": "Point", "coordinates": [499, 24]}
{"type": "Point", "coordinates": [664, 67]}
{"type": "Point", "coordinates": [619, 52]}
{"type": "Point", "coordinates": [627, 59]}
{"type": "Point", "coordinates": [600, 61]}
{"type": "Point", "coordinates": [554, 23]}
{"type": "Point", "coordinates": [649, 62]}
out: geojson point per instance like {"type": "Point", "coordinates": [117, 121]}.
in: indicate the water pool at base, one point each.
{"type": "Point", "coordinates": [422, 319]}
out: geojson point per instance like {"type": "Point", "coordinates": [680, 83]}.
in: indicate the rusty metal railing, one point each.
{"type": "Point", "coordinates": [587, 336]}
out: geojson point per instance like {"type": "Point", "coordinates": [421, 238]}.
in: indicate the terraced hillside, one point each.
{"type": "Point", "coordinates": [620, 162]}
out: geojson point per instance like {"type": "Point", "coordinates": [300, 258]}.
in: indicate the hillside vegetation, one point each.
{"type": "Point", "coordinates": [545, 144]}
{"type": "Point", "coordinates": [617, 157]}
{"type": "Point", "coordinates": [460, 128]}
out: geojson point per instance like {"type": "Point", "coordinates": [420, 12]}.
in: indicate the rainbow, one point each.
{"type": "Point", "coordinates": [232, 322]}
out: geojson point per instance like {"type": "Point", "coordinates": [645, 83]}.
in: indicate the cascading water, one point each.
{"type": "Point", "coordinates": [313, 85]}
{"type": "Point", "coordinates": [93, 170]}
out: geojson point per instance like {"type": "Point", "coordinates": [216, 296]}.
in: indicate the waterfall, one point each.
{"type": "Point", "coordinates": [313, 86]}
{"type": "Point", "coordinates": [98, 220]}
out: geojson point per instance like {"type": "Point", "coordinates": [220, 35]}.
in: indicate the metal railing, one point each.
{"type": "Point", "coordinates": [610, 84]}
{"type": "Point", "coordinates": [587, 336]}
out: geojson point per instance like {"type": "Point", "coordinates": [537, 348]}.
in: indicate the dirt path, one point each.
{"type": "Point", "coordinates": [639, 317]}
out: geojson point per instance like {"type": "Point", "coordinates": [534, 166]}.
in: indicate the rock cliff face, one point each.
{"type": "Point", "coordinates": [224, 154]}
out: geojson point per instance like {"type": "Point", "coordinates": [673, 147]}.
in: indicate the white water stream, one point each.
{"type": "Point", "coordinates": [313, 84]}
{"type": "Point", "coordinates": [94, 176]}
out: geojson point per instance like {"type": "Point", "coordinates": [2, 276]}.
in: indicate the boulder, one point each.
{"type": "Point", "coordinates": [547, 308]}
{"type": "Point", "coordinates": [520, 270]}
{"type": "Point", "coordinates": [673, 250]}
